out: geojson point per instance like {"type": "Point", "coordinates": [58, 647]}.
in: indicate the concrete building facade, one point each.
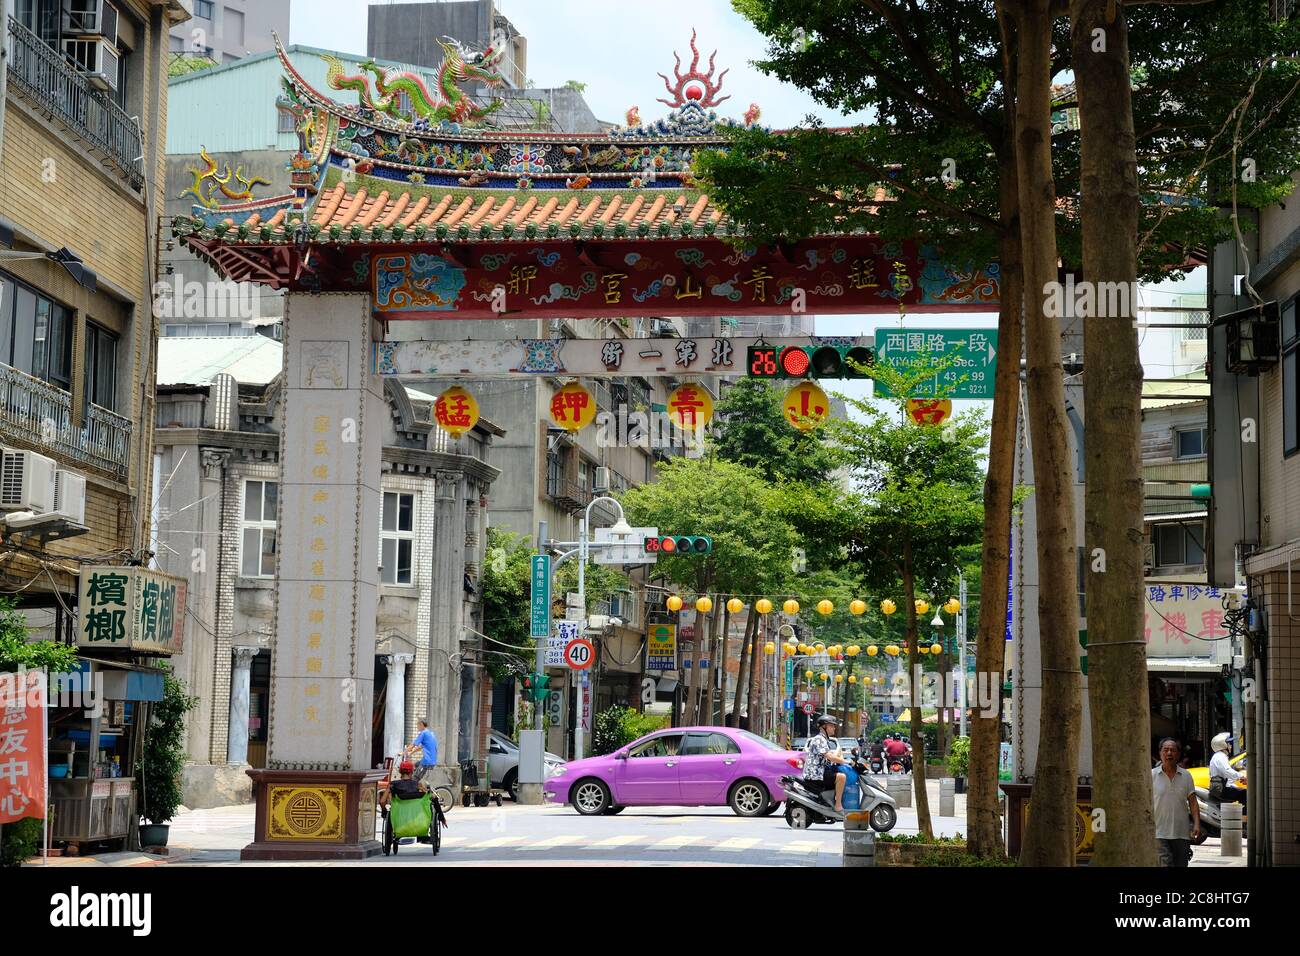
{"type": "Point", "coordinates": [229, 30]}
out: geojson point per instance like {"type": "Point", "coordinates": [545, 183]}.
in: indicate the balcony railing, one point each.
{"type": "Point", "coordinates": [42, 73]}
{"type": "Point", "coordinates": [41, 414]}
{"type": "Point", "coordinates": [568, 494]}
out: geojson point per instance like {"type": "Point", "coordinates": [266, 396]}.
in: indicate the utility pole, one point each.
{"type": "Point", "coordinates": [961, 644]}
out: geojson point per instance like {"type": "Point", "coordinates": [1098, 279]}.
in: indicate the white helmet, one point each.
{"type": "Point", "coordinates": [1221, 742]}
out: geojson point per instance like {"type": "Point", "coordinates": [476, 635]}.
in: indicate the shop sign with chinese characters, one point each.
{"type": "Point", "coordinates": [131, 608]}
{"type": "Point", "coordinates": [22, 748]}
{"type": "Point", "coordinates": [1184, 620]}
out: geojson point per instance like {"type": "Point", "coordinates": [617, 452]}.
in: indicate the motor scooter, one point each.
{"type": "Point", "coordinates": [806, 804]}
{"type": "Point", "coordinates": [1211, 816]}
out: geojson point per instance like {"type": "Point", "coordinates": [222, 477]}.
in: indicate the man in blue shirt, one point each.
{"type": "Point", "coordinates": [427, 744]}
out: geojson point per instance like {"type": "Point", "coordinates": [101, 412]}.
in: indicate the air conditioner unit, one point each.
{"type": "Point", "coordinates": [27, 481]}
{"type": "Point", "coordinates": [96, 58]}
{"type": "Point", "coordinates": [601, 481]}
{"type": "Point", "coordinates": [93, 18]}
{"type": "Point", "coordinates": [70, 496]}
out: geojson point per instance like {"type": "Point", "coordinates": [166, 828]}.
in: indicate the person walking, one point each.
{"type": "Point", "coordinates": [1177, 814]}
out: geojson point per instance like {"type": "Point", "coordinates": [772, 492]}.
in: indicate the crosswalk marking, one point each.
{"type": "Point", "coordinates": [495, 842]}
{"type": "Point", "coordinates": [615, 841]}
{"type": "Point", "coordinates": [736, 844]}
{"type": "Point", "coordinates": [675, 843]}
{"type": "Point", "coordinates": [801, 846]}
{"type": "Point", "coordinates": [561, 840]}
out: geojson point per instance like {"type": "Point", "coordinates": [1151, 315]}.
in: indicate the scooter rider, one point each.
{"type": "Point", "coordinates": [821, 761]}
{"type": "Point", "coordinates": [1223, 774]}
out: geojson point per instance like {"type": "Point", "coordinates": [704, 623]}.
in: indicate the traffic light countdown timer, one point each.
{"type": "Point", "coordinates": [795, 361]}
{"type": "Point", "coordinates": [686, 544]}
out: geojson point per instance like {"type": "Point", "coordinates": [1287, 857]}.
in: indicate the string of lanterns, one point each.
{"type": "Point", "coordinates": [857, 607]}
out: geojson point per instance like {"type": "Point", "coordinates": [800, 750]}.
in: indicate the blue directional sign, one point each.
{"type": "Point", "coordinates": [540, 596]}
{"type": "Point", "coordinates": [788, 703]}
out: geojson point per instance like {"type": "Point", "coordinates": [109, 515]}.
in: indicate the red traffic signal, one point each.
{"type": "Point", "coordinates": [685, 544]}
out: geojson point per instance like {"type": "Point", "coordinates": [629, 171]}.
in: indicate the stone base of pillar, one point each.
{"type": "Point", "coordinates": [314, 815]}
{"type": "Point", "coordinates": [530, 795]}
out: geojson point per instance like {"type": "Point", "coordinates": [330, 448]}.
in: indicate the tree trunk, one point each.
{"type": "Point", "coordinates": [755, 675]}
{"type": "Point", "coordinates": [914, 698]}
{"type": "Point", "coordinates": [1049, 832]}
{"type": "Point", "coordinates": [690, 718]}
{"type": "Point", "coordinates": [1117, 672]}
{"type": "Point", "coordinates": [941, 726]}
{"type": "Point", "coordinates": [742, 674]}
{"type": "Point", "coordinates": [983, 816]}
{"type": "Point", "coordinates": [722, 667]}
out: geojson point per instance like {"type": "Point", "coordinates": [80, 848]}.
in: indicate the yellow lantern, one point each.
{"type": "Point", "coordinates": [923, 649]}
{"type": "Point", "coordinates": [790, 649]}
{"type": "Point", "coordinates": [704, 605]}
{"type": "Point", "coordinates": [853, 678]}
{"type": "Point", "coordinates": [857, 607]}
{"type": "Point", "coordinates": [455, 411]}
{"type": "Point", "coordinates": [891, 650]}
{"type": "Point", "coordinates": [806, 406]}
{"type": "Point", "coordinates": [674, 603]}
{"type": "Point", "coordinates": [808, 674]}
{"type": "Point", "coordinates": [769, 648]}
{"type": "Point", "coordinates": [888, 607]}
{"type": "Point", "coordinates": [872, 650]}
{"type": "Point", "coordinates": [573, 408]}
{"type": "Point", "coordinates": [825, 607]}
{"type": "Point", "coordinates": [952, 605]}
{"type": "Point", "coordinates": [791, 606]}
{"type": "Point", "coordinates": [906, 649]}
{"type": "Point", "coordinates": [690, 407]}
{"type": "Point", "coordinates": [819, 647]}
{"type": "Point", "coordinates": [735, 605]}
{"type": "Point", "coordinates": [763, 606]}
{"type": "Point", "coordinates": [853, 650]}
{"type": "Point", "coordinates": [922, 606]}
{"type": "Point", "coordinates": [825, 677]}
{"type": "Point", "coordinates": [839, 678]}
{"type": "Point", "coordinates": [936, 649]}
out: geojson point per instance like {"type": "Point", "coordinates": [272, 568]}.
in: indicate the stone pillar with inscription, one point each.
{"type": "Point", "coordinates": [395, 703]}
{"type": "Point", "coordinates": [446, 616]}
{"type": "Point", "coordinates": [316, 797]}
{"type": "Point", "coordinates": [240, 679]}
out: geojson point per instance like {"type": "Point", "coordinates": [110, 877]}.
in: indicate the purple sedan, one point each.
{"type": "Point", "coordinates": [681, 766]}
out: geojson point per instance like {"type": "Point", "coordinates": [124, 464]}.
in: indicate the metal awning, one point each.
{"type": "Point", "coordinates": [1205, 666]}
{"type": "Point", "coordinates": [1175, 516]}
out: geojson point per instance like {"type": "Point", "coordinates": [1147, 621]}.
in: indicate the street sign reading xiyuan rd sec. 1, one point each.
{"type": "Point", "coordinates": [968, 358]}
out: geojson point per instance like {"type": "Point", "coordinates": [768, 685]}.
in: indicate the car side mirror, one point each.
{"type": "Point", "coordinates": [621, 755]}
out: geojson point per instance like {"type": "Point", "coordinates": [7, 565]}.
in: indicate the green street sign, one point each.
{"type": "Point", "coordinates": [970, 354]}
{"type": "Point", "coordinates": [540, 596]}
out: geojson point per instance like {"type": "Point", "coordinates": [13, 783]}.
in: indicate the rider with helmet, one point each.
{"type": "Point", "coordinates": [1223, 774]}
{"type": "Point", "coordinates": [821, 763]}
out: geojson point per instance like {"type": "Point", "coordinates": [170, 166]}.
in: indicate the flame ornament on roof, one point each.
{"type": "Point", "coordinates": [694, 86]}
{"type": "Point", "coordinates": [693, 103]}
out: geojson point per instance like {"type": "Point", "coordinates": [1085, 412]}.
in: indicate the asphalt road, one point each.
{"type": "Point", "coordinates": [551, 835]}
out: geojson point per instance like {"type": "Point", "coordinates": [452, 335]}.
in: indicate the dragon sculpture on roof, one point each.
{"type": "Point", "coordinates": [208, 181]}
{"type": "Point", "coordinates": [448, 103]}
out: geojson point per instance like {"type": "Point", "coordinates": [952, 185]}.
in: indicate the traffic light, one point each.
{"type": "Point", "coordinates": [800, 361]}
{"type": "Point", "coordinates": [681, 544]}
{"type": "Point", "coordinates": [537, 686]}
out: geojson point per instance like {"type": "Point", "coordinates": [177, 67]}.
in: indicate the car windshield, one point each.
{"type": "Point", "coordinates": [760, 740]}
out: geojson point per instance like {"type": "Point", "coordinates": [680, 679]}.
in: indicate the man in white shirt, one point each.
{"type": "Point", "coordinates": [1177, 814]}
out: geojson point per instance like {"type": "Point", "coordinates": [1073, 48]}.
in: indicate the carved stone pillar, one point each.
{"type": "Point", "coordinates": [446, 618]}
{"type": "Point", "coordinates": [395, 703]}
{"type": "Point", "coordinates": [240, 679]}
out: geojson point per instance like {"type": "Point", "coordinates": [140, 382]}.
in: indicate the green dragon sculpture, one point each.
{"type": "Point", "coordinates": [208, 181]}
{"type": "Point", "coordinates": [452, 105]}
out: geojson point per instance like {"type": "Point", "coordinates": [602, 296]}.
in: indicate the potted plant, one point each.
{"type": "Point", "coordinates": [162, 760]}
{"type": "Point", "coordinates": [959, 762]}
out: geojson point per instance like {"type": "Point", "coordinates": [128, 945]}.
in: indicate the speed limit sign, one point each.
{"type": "Point", "coordinates": [579, 654]}
{"type": "Point", "coordinates": [807, 708]}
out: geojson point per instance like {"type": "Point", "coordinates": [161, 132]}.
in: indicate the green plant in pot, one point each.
{"type": "Point", "coordinates": [959, 761]}
{"type": "Point", "coordinates": [162, 760]}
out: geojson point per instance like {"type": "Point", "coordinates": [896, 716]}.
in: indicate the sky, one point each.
{"type": "Point", "coordinates": [618, 47]}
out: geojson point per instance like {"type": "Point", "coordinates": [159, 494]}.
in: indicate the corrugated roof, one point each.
{"type": "Point", "coordinates": [197, 360]}
{"type": "Point", "coordinates": [1196, 389]}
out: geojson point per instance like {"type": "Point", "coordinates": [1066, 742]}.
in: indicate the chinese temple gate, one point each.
{"type": "Point", "coordinates": [421, 216]}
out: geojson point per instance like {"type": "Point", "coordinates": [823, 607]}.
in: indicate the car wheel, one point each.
{"type": "Point", "coordinates": [771, 808]}
{"type": "Point", "coordinates": [748, 798]}
{"type": "Point", "coordinates": [883, 818]}
{"type": "Point", "coordinates": [798, 818]}
{"type": "Point", "coordinates": [511, 784]}
{"type": "Point", "coordinates": [613, 810]}
{"type": "Point", "coordinates": [590, 797]}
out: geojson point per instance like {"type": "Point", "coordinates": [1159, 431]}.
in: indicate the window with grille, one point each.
{"type": "Point", "coordinates": [257, 542]}
{"type": "Point", "coordinates": [1180, 544]}
{"type": "Point", "coordinates": [397, 538]}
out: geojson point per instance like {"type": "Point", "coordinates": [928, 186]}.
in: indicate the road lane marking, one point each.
{"type": "Point", "coordinates": [494, 842]}
{"type": "Point", "coordinates": [615, 841]}
{"type": "Point", "coordinates": [561, 840]}
{"type": "Point", "coordinates": [736, 844]}
{"type": "Point", "coordinates": [675, 843]}
{"type": "Point", "coordinates": [802, 846]}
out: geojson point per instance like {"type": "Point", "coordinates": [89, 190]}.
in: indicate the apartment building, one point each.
{"type": "Point", "coordinates": [228, 30]}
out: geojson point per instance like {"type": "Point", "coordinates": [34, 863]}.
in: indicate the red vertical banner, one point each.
{"type": "Point", "coordinates": [22, 747]}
